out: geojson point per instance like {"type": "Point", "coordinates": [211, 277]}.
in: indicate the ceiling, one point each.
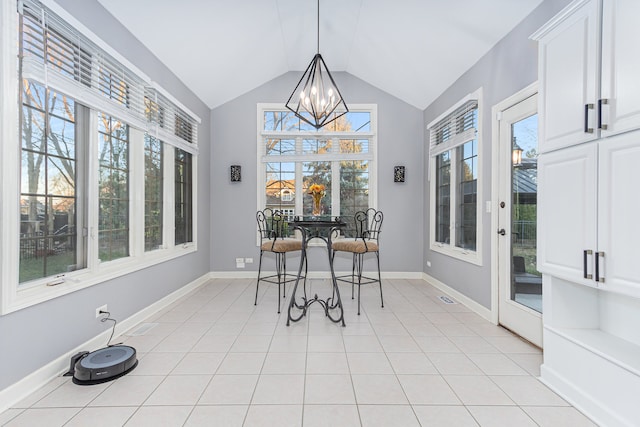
{"type": "Point", "coordinates": [412, 49]}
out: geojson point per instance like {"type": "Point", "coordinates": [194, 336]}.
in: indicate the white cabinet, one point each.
{"type": "Point", "coordinates": [619, 213]}
{"type": "Point", "coordinates": [568, 75]}
{"type": "Point", "coordinates": [620, 66]}
{"type": "Point", "coordinates": [567, 204]}
{"type": "Point", "coordinates": [588, 71]}
{"type": "Point", "coordinates": [589, 208]}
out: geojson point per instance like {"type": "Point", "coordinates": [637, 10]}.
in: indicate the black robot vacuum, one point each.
{"type": "Point", "coordinates": [102, 365]}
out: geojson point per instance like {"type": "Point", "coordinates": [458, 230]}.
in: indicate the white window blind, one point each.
{"type": "Point", "coordinates": [456, 128]}
{"type": "Point", "coordinates": [59, 56]}
{"type": "Point", "coordinates": [170, 123]}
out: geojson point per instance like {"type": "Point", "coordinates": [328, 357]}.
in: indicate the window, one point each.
{"type": "Point", "coordinates": [153, 189]}
{"type": "Point", "coordinates": [107, 166]}
{"type": "Point", "coordinates": [183, 201]}
{"type": "Point", "coordinates": [294, 155]}
{"type": "Point", "coordinates": [454, 175]}
{"type": "Point", "coordinates": [49, 212]}
{"type": "Point", "coordinates": [113, 188]}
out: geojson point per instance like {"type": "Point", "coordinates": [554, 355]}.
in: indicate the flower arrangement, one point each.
{"type": "Point", "coordinates": [317, 191]}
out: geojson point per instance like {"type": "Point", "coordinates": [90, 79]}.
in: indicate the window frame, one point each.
{"type": "Point", "coordinates": [16, 296]}
{"type": "Point", "coordinates": [371, 157]}
{"type": "Point", "coordinates": [451, 249]}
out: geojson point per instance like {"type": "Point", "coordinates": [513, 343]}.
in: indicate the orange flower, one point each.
{"type": "Point", "coordinates": [316, 189]}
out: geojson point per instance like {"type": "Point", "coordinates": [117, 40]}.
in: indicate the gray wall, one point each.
{"type": "Point", "coordinates": [400, 142]}
{"type": "Point", "coordinates": [509, 67]}
{"type": "Point", "coordinates": [32, 337]}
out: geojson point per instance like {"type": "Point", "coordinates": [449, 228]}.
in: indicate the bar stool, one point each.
{"type": "Point", "coordinates": [274, 230]}
{"type": "Point", "coordinates": [367, 233]}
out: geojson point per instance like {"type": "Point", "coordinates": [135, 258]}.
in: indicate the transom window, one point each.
{"type": "Point", "coordinates": [455, 176]}
{"type": "Point", "coordinates": [340, 157]}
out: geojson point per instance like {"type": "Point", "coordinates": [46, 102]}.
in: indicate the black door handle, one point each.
{"type": "Point", "coordinates": [587, 107]}
{"type": "Point", "coordinates": [502, 232]}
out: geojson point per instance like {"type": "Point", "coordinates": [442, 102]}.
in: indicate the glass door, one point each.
{"type": "Point", "coordinates": [526, 280]}
{"type": "Point", "coordinates": [519, 282]}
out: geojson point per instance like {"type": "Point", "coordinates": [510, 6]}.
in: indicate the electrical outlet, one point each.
{"type": "Point", "coordinates": [248, 260]}
{"type": "Point", "coordinates": [239, 260]}
{"type": "Point", "coordinates": [99, 309]}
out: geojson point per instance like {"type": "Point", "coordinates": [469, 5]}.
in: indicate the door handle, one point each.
{"type": "Point", "coordinates": [502, 232]}
{"type": "Point", "coordinates": [585, 254]}
{"type": "Point", "coordinates": [604, 101]}
{"type": "Point", "coordinates": [598, 278]}
{"type": "Point", "coordinates": [587, 107]}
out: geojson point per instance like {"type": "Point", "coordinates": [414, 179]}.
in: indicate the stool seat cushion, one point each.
{"type": "Point", "coordinates": [282, 245]}
{"type": "Point", "coordinates": [356, 246]}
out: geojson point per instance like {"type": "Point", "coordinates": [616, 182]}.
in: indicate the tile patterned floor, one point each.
{"type": "Point", "coordinates": [215, 359]}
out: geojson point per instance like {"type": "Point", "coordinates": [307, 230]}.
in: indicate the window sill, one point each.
{"type": "Point", "coordinates": [472, 257]}
{"type": "Point", "coordinates": [42, 290]}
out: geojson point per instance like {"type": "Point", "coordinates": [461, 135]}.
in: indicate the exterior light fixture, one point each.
{"type": "Point", "coordinates": [516, 154]}
{"type": "Point", "coordinates": [316, 99]}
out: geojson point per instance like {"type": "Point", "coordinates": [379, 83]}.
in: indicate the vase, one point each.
{"type": "Point", "coordinates": [317, 207]}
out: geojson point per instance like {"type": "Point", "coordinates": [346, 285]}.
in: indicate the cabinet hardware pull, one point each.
{"type": "Point", "coordinates": [587, 107]}
{"type": "Point", "coordinates": [598, 278]}
{"type": "Point", "coordinates": [502, 232]}
{"type": "Point", "coordinates": [585, 253]}
{"type": "Point", "coordinates": [604, 101]}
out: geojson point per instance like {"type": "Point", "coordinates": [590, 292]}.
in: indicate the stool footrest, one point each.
{"type": "Point", "coordinates": [363, 280]}
{"type": "Point", "coordinates": [285, 278]}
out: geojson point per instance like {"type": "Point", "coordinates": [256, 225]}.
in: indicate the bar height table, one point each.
{"type": "Point", "coordinates": [317, 228]}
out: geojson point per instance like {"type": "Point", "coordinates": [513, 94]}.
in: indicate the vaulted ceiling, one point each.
{"type": "Point", "coordinates": [412, 49]}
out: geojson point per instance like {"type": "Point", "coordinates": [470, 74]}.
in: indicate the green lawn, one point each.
{"type": "Point", "coordinates": [34, 268]}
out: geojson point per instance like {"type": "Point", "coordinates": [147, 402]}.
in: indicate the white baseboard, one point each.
{"type": "Point", "coordinates": [480, 310]}
{"type": "Point", "coordinates": [577, 398]}
{"type": "Point", "coordinates": [311, 274]}
{"type": "Point", "coordinates": [32, 382]}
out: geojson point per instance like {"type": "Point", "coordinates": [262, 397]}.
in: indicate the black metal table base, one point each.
{"type": "Point", "coordinates": [332, 305]}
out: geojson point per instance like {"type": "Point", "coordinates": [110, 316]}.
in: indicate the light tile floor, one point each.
{"type": "Point", "coordinates": [215, 359]}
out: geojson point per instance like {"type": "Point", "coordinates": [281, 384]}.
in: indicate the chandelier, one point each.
{"type": "Point", "coordinates": [316, 98]}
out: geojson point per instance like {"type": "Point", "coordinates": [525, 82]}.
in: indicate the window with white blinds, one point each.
{"type": "Point", "coordinates": [457, 127]}
{"type": "Point", "coordinates": [455, 181]}
{"type": "Point", "coordinates": [169, 122]}
{"type": "Point", "coordinates": [92, 201]}
{"type": "Point", "coordinates": [62, 58]}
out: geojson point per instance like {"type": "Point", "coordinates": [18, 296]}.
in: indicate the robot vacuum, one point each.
{"type": "Point", "coordinates": [103, 365]}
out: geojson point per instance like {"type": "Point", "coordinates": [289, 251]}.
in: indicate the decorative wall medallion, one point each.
{"type": "Point", "coordinates": [398, 174]}
{"type": "Point", "coordinates": [236, 173]}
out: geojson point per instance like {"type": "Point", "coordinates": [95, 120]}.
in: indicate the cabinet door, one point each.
{"type": "Point", "coordinates": [567, 185]}
{"type": "Point", "coordinates": [568, 74]}
{"type": "Point", "coordinates": [619, 213]}
{"type": "Point", "coordinates": [620, 66]}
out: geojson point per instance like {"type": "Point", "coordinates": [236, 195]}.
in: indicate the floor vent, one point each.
{"type": "Point", "coordinates": [445, 299]}
{"type": "Point", "coordinates": [143, 329]}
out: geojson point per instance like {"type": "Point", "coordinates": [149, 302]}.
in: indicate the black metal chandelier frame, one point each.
{"type": "Point", "coordinates": [316, 98]}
